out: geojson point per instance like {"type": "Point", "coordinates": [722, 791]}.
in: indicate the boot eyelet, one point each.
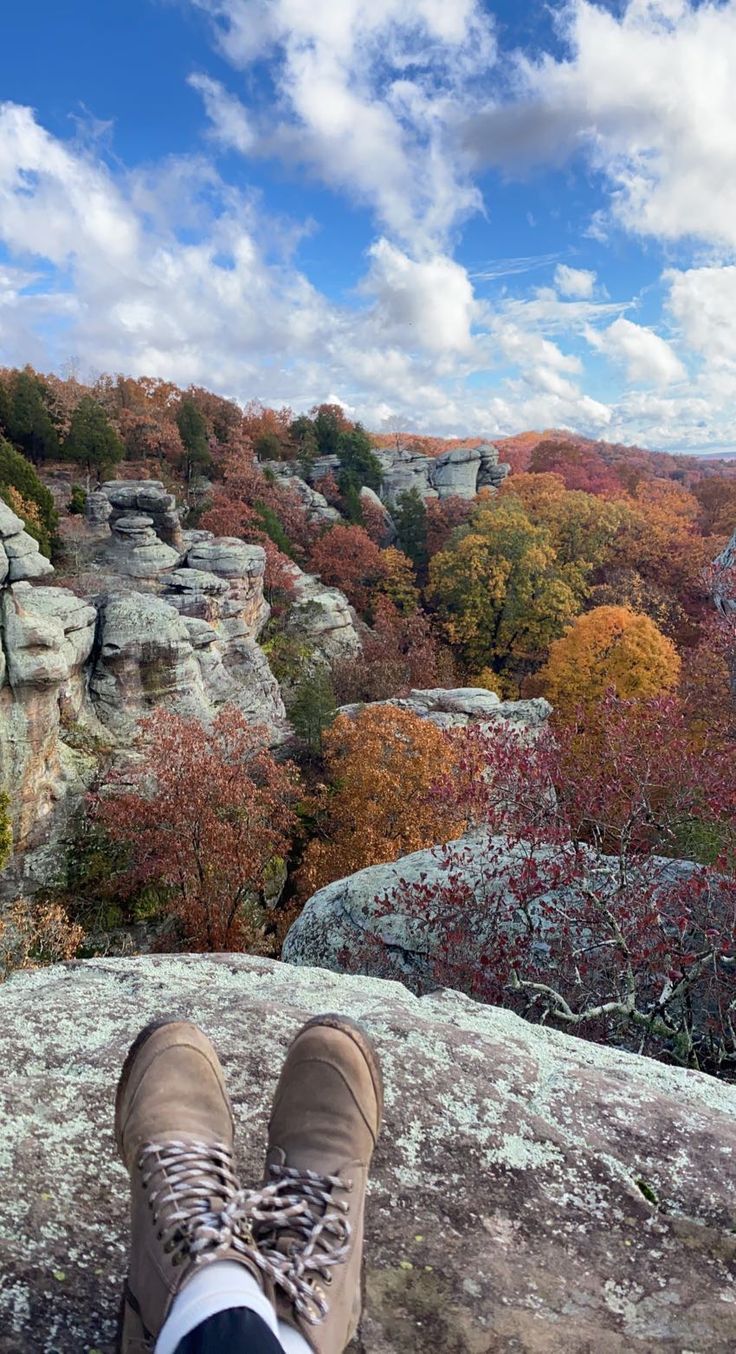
{"type": "Point", "coordinates": [328, 1279]}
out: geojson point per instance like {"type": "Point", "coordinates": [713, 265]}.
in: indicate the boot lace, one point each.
{"type": "Point", "coordinates": [301, 1234]}
{"type": "Point", "coordinates": [196, 1200]}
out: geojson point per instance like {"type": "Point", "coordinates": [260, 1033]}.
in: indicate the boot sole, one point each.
{"type": "Point", "coordinates": [363, 1041]}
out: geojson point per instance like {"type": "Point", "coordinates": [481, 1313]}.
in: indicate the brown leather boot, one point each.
{"type": "Point", "coordinates": [308, 1217]}
{"type": "Point", "coordinates": [174, 1130]}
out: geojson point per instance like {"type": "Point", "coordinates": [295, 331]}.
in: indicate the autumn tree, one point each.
{"type": "Point", "coordinates": [345, 557]}
{"type": "Point", "coordinates": [399, 653]}
{"type": "Point", "coordinates": [609, 648]}
{"type": "Point", "coordinates": [203, 816]}
{"type": "Point", "coordinates": [500, 592]}
{"type": "Point", "coordinates": [398, 582]}
{"type": "Point", "coordinates": [92, 441]}
{"type": "Point", "coordinates": [382, 766]}
{"type": "Point", "coordinates": [566, 907]}
{"type": "Point", "coordinates": [579, 466]}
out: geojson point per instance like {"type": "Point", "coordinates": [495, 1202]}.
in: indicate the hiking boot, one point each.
{"type": "Point", "coordinates": [308, 1216]}
{"type": "Point", "coordinates": [174, 1131]}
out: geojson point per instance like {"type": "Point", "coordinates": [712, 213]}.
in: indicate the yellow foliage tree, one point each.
{"type": "Point", "coordinates": [382, 766]}
{"type": "Point", "coordinates": [609, 647]}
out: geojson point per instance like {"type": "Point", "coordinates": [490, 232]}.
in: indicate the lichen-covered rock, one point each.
{"type": "Point", "coordinates": [150, 655]}
{"type": "Point", "coordinates": [458, 473]}
{"type": "Point", "coordinates": [135, 550]}
{"type": "Point", "coordinates": [10, 523]}
{"type": "Point", "coordinates": [323, 617]}
{"type": "Point", "coordinates": [46, 638]}
{"type": "Point", "coordinates": [144, 660]}
{"type": "Point", "coordinates": [455, 708]}
{"type": "Point", "coordinates": [23, 555]}
{"type": "Point", "coordinates": [142, 496]}
{"type": "Point", "coordinates": [530, 1192]}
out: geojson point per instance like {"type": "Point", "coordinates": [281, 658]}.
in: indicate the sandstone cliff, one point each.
{"type": "Point", "coordinates": [531, 1192]}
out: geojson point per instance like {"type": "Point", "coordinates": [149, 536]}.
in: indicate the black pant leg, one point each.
{"type": "Point", "coordinates": [237, 1330]}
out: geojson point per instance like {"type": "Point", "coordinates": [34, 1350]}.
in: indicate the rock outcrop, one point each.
{"type": "Point", "coordinates": [378, 916]}
{"type": "Point", "coordinates": [136, 551]}
{"type": "Point", "coordinates": [76, 675]}
{"type": "Point", "coordinates": [531, 1192]}
{"type": "Point", "coordinates": [314, 503]}
{"type": "Point", "coordinates": [46, 635]}
{"type": "Point", "coordinates": [20, 557]}
{"type": "Point", "coordinates": [380, 514]}
{"type": "Point", "coordinates": [458, 473]}
{"type": "Point", "coordinates": [323, 618]}
{"type": "Point", "coordinates": [142, 497]}
{"type": "Point", "coordinates": [456, 708]}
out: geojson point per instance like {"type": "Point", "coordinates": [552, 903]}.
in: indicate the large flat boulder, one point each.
{"type": "Point", "coordinates": [531, 1192]}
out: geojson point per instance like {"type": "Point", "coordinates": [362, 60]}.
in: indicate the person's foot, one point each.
{"type": "Point", "coordinates": [174, 1130]}
{"type": "Point", "coordinates": [309, 1215]}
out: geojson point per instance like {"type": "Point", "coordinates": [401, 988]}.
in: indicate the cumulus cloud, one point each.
{"type": "Point", "coordinates": [646, 357]}
{"type": "Point", "coordinates": [366, 90]}
{"type": "Point", "coordinates": [575, 282]}
{"type": "Point", "coordinates": [647, 95]}
{"type": "Point", "coordinates": [429, 303]}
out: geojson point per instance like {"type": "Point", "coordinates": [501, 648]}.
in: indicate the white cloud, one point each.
{"type": "Point", "coordinates": [429, 304]}
{"type": "Point", "coordinates": [578, 283]}
{"type": "Point", "coordinates": [366, 91]}
{"type": "Point", "coordinates": [646, 357]}
{"type": "Point", "coordinates": [230, 122]}
{"type": "Point", "coordinates": [648, 96]}
{"type": "Point", "coordinates": [702, 303]}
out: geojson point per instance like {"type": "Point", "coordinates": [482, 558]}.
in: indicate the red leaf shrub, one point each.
{"type": "Point", "coordinates": [203, 816]}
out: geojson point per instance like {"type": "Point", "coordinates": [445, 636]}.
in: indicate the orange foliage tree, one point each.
{"type": "Point", "coordinates": [346, 558]}
{"type": "Point", "coordinates": [383, 766]}
{"type": "Point", "coordinates": [609, 648]}
{"type": "Point", "coordinates": [203, 817]}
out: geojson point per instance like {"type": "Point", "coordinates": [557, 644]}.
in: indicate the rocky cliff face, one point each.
{"type": "Point", "coordinates": [78, 674]}
{"type": "Point", "coordinates": [530, 1192]}
{"type": "Point", "coordinates": [459, 473]}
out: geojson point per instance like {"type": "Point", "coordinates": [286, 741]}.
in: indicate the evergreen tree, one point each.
{"type": "Point", "coordinates": [358, 465]}
{"type": "Point", "coordinates": [17, 473]}
{"type": "Point", "coordinates": [193, 433]}
{"type": "Point", "coordinates": [92, 440]}
{"type": "Point", "coordinates": [304, 438]}
{"type": "Point", "coordinates": [27, 419]}
{"type": "Point", "coordinates": [410, 520]}
{"type": "Point", "coordinates": [313, 708]}
{"type": "Point", "coordinates": [329, 424]}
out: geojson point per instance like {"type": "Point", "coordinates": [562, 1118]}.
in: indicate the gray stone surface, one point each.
{"type": "Point", "coordinates": [530, 1192]}
{"type": "Point", "coordinates": [136, 551]}
{"type": "Point", "coordinates": [458, 473]}
{"type": "Point", "coordinates": [323, 617]}
{"type": "Point", "coordinates": [143, 496]}
{"type": "Point", "coordinates": [455, 708]}
{"type": "Point", "coordinates": [10, 523]}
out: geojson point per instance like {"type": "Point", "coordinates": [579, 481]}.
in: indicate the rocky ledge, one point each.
{"type": "Point", "coordinates": [531, 1192]}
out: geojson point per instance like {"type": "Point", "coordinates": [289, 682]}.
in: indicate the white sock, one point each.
{"type": "Point", "coordinates": [292, 1341]}
{"type": "Point", "coordinates": [217, 1286]}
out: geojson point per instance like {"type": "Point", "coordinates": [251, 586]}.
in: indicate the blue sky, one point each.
{"type": "Point", "coordinates": [458, 218]}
